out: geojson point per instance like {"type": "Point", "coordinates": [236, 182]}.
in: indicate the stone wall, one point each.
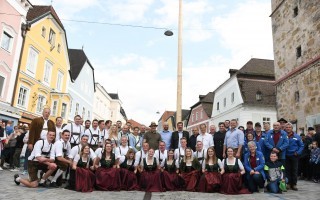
{"type": "Point", "coordinates": [299, 96]}
{"type": "Point", "coordinates": [290, 32]}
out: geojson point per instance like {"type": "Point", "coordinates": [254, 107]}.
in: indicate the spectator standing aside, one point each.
{"type": "Point", "coordinates": [177, 135]}
{"type": "Point", "coordinates": [294, 150]}
{"type": "Point", "coordinates": [283, 123]}
{"type": "Point", "coordinates": [152, 137]}
{"type": "Point", "coordinates": [3, 136]}
{"type": "Point", "coordinates": [218, 140]}
{"type": "Point", "coordinates": [166, 135]}
{"type": "Point", "coordinates": [227, 124]}
{"type": "Point", "coordinates": [276, 141]}
{"type": "Point", "coordinates": [39, 128]}
{"type": "Point", "coordinates": [193, 138]}
{"type": "Point", "coordinates": [76, 130]}
{"type": "Point", "coordinates": [315, 161]}
{"type": "Point", "coordinates": [205, 137]}
{"type": "Point", "coordinates": [316, 137]}
{"type": "Point", "coordinates": [234, 139]}
{"type": "Point", "coordinates": [59, 121]}
{"type": "Point", "coordinates": [304, 165]}
{"type": "Point", "coordinates": [19, 144]}
{"type": "Point", "coordinates": [9, 128]}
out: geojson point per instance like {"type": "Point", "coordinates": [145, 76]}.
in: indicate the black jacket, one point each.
{"type": "Point", "coordinates": [175, 139]}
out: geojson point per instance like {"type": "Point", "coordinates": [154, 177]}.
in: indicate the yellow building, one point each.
{"type": "Point", "coordinates": [44, 67]}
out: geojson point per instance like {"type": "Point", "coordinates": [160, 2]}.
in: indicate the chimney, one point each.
{"type": "Point", "coordinates": [233, 71]}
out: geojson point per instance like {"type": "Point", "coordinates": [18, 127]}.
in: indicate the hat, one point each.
{"type": "Point", "coordinates": [257, 124]}
{"type": "Point", "coordinates": [282, 120]}
{"type": "Point", "coordinates": [153, 124]}
{"type": "Point", "coordinates": [249, 122]}
{"type": "Point", "coordinates": [310, 129]}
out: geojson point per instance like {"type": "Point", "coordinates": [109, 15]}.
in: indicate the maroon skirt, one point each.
{"type": "Point", "coordinates": [150, 181]}
{"type": "Point", "coordinates": [171, 181]}
{"type": "Point", "coordinates": [108, 179]}
{"type": "Point", "coordinates": [190, 180]}
{"type": "Point", "coordinates": [128, 180]}
{"type": "Point", "coordinates": [84, 180]}
{"type": "Point", "coordinates": [232, 184]}
{"type": "Point", "coordinates": [210, 182]}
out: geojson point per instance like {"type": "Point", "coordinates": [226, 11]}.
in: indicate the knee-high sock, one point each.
{"type": "Point", "coordinates": [56, 176]}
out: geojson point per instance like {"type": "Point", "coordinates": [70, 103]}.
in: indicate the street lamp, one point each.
{"type": "Point", "coordinates": [179, 70]}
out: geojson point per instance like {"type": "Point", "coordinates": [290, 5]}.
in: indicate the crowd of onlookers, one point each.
{"type": "Point", "coordinates": [255, 156]}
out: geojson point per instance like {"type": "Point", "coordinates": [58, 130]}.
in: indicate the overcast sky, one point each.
{"type": "Point", "coordinates": [141, 63]}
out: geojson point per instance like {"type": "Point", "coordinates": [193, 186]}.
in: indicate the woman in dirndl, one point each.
{"type": "Point", "coordinates": [107, 174]}
{"type": "Point", "coordinates": [83, 166]}
{"type": "Point", "coordinates": [128, 171]}
{"type": "Point", "coordinates": [210, 180]}
{"type": "Point", "coordinates": [232, 171]}
{"type": "Point", "coordinates": [170, 178]}
{"type": "Point", "coordinates": [189, 171]}
{"type": "Point", "coordinates": [150, 179]}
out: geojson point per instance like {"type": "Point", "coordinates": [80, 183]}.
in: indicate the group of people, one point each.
{"type": "Point", "coordinates": [112, 157]}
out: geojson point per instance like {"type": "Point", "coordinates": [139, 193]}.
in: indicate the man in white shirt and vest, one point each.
{"type": "Point", "coordinates": [76, 130]}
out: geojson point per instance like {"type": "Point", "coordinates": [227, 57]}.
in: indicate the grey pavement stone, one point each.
{"type": "Point", "coordinates": [10, 191]}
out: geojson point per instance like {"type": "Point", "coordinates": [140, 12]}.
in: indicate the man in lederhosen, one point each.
{"type": "Point", "coordinates": [76, 130]}
{"type": "Point", "coordinates": [179, 152]}
{"type": "Point", "coordinates": [200, 153]}
{"type": "Point", "coordinates": [161, 154]}
{"type": "Point", "coordinates": [103, 132]}
{"type": "Point", "coordinates": [140, 155]}
{"type": "Point", "coordinates": [62, 149]}
{"type": "Point", "coordinates": [39, 128]}
{"type": "Point", "coordinates": [93, 133]}
{"type": "Point", "coordinates": [41, 158]}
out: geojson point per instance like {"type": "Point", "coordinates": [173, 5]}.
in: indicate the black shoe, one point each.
{"type": "Point", "coordinates": [15, 177]}
{"type": "Point", "coordinates": [53, 184]}
{"type": "Point", "coordinates": [43, 184]}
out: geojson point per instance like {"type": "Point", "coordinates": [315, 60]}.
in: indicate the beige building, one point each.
{"type": "Point", "coordinates": [101, 104]}
{"type": "Point", "coordinates": [296, 41]}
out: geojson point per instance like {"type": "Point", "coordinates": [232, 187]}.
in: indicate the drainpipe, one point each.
{"type": "Point", "coordinates": [24, 29]}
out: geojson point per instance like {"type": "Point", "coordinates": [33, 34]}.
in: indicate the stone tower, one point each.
{"type": "Point", "coordinates": [296, 43]}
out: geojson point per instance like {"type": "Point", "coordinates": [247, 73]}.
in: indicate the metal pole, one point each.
{"type": "Point", "coordinates": [179, 71]}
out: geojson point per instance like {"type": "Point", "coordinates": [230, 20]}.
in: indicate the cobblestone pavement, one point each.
{"type": "Point", "coordinates": [10, 191]}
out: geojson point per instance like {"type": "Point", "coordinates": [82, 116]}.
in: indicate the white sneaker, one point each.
{"type": "Point", "coordinates": [260, 190]}
{"type": "Point", "coordinates": [24, 172]}
{"type": "Point", "coordinates": [1, 169]}
{"type": "Point", "coordinates": [6, 165]}
{"type": "Point", "coordinates": [14, 170]}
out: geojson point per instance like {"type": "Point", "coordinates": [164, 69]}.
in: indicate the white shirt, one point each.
{"type": "Point", "coordinates": [219, 163]}
{"type": "Point", "coordinates": [206, 139]}
{"type": "Point", "coordinates": [93, 135]}
{"type": "Point", "coordinates": [59, 146]}
{"type": "Point", "coordinates": [180, 136]}
{"type": "Point", "coordinates": [201, 154]}
{"type": "Point", "coordinates": [76, 150]}
{"type": "Point", "coordinates": [160, 156]}
{"type": "Point", "coordinates": [140, 155]}
{"type": "Point", "coordinates": [43, 134]}
{"type": "Point", "coordinates": [103, 135]}
{"type": "Point", "coordinates": [121, 151]}
{"type": "Point", "coordinates": [73, 128]}
{"type": "Point", "coordinates": [58, 133]}
{"type": "Point", "coordinates": [40, 147]}
{"type": "Point", "coordinates": [123, 158]}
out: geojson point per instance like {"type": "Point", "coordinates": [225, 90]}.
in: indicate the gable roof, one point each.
{"type": "Point", "coordinates": [39, 11]}
{"type": "Point", "coordinates": [207, 103]}
{"type": "Point", "coordinates": [123, 113]}
{"type": "Point", "coordinates": [134, 123]}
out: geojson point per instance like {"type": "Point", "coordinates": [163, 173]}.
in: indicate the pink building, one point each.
{"type": "Point", "coordinates": [12, 21]}
{"type": "Point", "coordinates": [200, 113]}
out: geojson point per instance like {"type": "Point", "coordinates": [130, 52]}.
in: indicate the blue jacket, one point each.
{"type": "Point", "coordinates": [260, 164]}
{"type": "Point", "coordinates": [295, 145]}
{"type": "Point", "coordinates": [261, 143]}
{"type": "Point", "coordinates": [282, 145]}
